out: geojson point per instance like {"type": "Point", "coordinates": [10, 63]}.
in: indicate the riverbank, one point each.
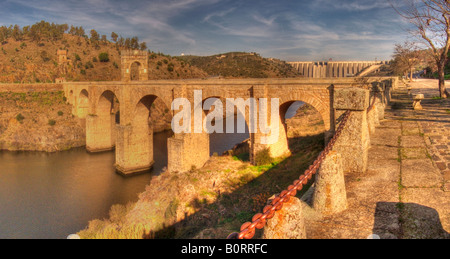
{"type": "Point", "coordinates": [38, 121]}
{"type": "Point", "coordinates": [213, 201]}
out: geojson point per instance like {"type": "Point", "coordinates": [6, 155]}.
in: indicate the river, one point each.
{"type": "Point", "coordinates": [53, 195]}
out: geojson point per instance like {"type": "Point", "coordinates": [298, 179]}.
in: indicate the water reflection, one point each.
{"type": "Point", "coordinates": [52, 195]}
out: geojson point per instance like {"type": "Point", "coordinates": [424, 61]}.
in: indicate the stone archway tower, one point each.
{"type": "Point", "coordinates": [128, 58]}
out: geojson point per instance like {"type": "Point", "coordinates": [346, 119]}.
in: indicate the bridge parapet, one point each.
{"type": "Point", "coordinates": [97, 102]}
{"type": "Point", "coordinates": [346, 152]}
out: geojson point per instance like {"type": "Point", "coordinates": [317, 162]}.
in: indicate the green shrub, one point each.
{"type": "Point", "coordinates": [103, 57]}
{"type": "Point", "coordinates": [20, 117]}
{"type": "Point", "coordinates": [170, 67]}
{"type": "Point", "coordinates": [89, 65]}
{"type": "Point", "coordinates": [263, 157]}
{"type": "Point", "coordinates": [51, 122]}
{"type": "Point", "coordinates": [60, 113]}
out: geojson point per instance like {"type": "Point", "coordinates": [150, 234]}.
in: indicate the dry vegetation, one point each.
{"type": "Point", "coordinates": [215, 200]}
{"type": "Point", "coordinates": [30, 55]}
{"type": "Point", "coordinates": [242, 65]}
{"type": "Point", "coordinates": [39, 122]}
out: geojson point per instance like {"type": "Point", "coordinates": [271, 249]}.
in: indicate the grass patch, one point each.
{"type": "Point", "coordinates": [218, 204]}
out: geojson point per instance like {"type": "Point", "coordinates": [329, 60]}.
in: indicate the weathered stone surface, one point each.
{"type": "Point", "coordinates": [405, 197]}
{"type": "Point", "coordinates": [412, 142]}
{"type": "Point", "coordinates": [394, 124]}
{"type": "Point", "coordinates": [426, 213]}
{"type": "Point", "coordinates": [371, 121]}
{"type": "Point", "coordinates": [137, 97]}
{"type": "Point", "coordinates": [330, 195]}
{"type": "Point", "coordinates": [355, 99]}
{"type": "Point", "coordinates": [386, 137]}
{"type": "Point", "coordinates": [420, 173]}
{"type": "Point", "coordinates": [382, 152]}
{"type": "Point", "coordinates": [414, 153]}
{"type": "Point", "coordinates": [354, 143]}
{"type": "Point", "coordinates": [288, 223]}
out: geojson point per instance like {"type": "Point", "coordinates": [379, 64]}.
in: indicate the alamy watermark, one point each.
{"type": "Point", "coordinates": [258, 120]}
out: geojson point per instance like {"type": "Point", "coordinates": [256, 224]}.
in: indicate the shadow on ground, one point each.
{"type": "Point", "coordinates": [231, 210]}
{"type": "Point", "coordinates": [416, 222]}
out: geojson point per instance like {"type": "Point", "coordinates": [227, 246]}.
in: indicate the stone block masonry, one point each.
{"type": "Point", "coordinates": [132, 136]}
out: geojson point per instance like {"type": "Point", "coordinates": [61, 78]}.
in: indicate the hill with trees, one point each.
{"type": "Point", "coordinates": [29, 55]}
{"type": "Point", "coordinates": [242, 65]}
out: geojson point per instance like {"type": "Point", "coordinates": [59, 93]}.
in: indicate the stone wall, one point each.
{"type": "Point", "coordinates": [137, 97]}
{"type": "Point", "coordinates": [25, 88]}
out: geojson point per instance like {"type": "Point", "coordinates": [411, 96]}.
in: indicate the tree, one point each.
{"type": "Point", "coordinates": [94, 36]}
{"type": "Point", "coordinates": [431, 22]}
{"type": "Point", "coordinates": [114, 36]}
{"type": "Point", "coordinates": [103, 57]}
{"type": "Point", "coordinates": [406, 57]}
{"type": "Point", "coordinates": [17, 33]}
{"type": "Point", "coordinates": [143, 46]}
{"type": "Point", "coordinates": [134, 42]}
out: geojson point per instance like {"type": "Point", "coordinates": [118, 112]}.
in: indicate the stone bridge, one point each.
{"type": "Point", "coordinates": [327, 69]}
{"type": "Point", "coordinates": [117, 113]}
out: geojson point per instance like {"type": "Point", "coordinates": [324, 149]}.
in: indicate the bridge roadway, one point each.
{"type": "Point", "coordinates": [101, 103]}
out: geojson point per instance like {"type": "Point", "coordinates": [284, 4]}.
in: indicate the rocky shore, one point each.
{"type": "Point", "coordinates": [38, 121]}
{"type": "Point", "coordinates": [213, 201]}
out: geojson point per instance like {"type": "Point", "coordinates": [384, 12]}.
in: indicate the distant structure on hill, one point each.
{"type": "Point", "coordinates": [324, 69]}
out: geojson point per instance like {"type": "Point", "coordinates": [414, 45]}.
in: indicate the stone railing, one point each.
{"type": "Point", "coordinates": [360, 111]}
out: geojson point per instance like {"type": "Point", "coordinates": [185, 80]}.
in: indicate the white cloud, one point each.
{"type": "Point", "coordinates": [286, 29]}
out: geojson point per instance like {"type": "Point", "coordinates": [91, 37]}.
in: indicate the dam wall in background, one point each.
{"type": "Point", "coordinates": [328, 69]}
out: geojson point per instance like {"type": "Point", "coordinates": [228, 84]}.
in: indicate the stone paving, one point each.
{"type": "Point", "coordinates": [434, 120]}
{"type": "Point", "coordinates": [404, 193]}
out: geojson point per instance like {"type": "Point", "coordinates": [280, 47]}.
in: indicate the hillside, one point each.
{"type": "Point", "coordinates": [27, 60]}
{"type": "Point", "coordinates": [241, 65]}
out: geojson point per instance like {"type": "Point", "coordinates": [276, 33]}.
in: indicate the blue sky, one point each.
{"type": "Point", "coordinates": [292, 30]}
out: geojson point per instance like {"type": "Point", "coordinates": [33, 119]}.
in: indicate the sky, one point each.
{"type": "Point", "coordinates": [291, 30]}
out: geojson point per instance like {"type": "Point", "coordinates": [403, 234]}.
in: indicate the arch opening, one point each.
{"type": "Point", "coordinates": [102, 127]}
{"type": "Point", "coordinates": [301, 124]}
{"type": "Point", "coordinates": [152, 129]}
{"type": "Point", "coordinates": [109, 104]}
{"type": "Point", "coordinates": [83, 104]}
{"type": "Point", "coordinates": [135, 70]}
{"type": "Point", "coordinates": [234, 137]}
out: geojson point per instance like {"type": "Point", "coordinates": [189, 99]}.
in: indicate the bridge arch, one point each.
{"type": "Point", "coordinates": [134, 150]}
{"type": "Point", "coordinates": [234, 134]}
{"type": "Point", "coordinates": [290, 111]}
{"type": "Point", "coordinates": [82, 104]}
{"type": "Point", "coordinates": [101, 126]}
{"type": "Point", "coordinates": [319, 101]}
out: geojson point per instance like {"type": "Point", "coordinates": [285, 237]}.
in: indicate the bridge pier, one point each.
{"type": "Point", "coordinates": [187, 151]}
{"type": "Point", "coordinates": [100, 132]}
{"type": "Point", "coordinates": [354, 142]}
{"type": "Point", "coordinates": [134, 148]}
